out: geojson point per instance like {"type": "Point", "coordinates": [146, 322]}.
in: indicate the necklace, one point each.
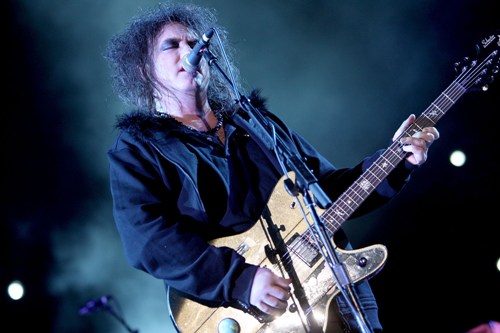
{"type": "Point", "coordinates": [210, 131]}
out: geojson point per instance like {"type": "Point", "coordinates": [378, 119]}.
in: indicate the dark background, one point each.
{"type": "Point", "coordinates": [344, 74]}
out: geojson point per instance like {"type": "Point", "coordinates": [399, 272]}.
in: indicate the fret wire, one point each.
{"type": "Point", "coordinates": [347, 203]}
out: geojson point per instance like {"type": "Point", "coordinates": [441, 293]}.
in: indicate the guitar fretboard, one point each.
{"type": "Point", "coordinates": [354, 196]}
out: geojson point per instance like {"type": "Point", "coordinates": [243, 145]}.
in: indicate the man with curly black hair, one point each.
{"type": "Point", "coordinates": [184, 175]}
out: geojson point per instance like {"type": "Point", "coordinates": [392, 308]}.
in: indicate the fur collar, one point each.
{"type": "Point", "coordinates": [143, 125]}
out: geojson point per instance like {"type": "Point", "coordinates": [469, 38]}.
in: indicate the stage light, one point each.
{"type": "Point", "coordinates": [15, 290]}
{"type": "Point", "coordinates": [457, 158]}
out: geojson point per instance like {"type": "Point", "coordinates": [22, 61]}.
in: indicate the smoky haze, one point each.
{"type": "Point", "coordinates": [343, 74]}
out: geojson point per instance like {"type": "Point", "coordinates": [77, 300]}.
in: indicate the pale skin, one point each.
{"type": "Point", "coordinates": [187, 101]}
{"type": "Point", "coordinates": [186, 98]}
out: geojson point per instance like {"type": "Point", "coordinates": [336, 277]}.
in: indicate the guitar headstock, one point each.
{"type": "Point", "coordinates": [478, 72]}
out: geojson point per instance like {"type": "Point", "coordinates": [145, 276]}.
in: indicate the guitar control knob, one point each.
{"type": "Point", "coordinates": [363, 261]}
{"type": "Point", "coordinates": [228, 325]}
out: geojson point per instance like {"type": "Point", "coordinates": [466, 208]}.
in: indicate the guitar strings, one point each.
{"type": "Point", "coordinates": [343, 207]}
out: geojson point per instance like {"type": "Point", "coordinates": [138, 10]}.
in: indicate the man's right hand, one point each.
{"type": "Point", "coordinates": [270, 292]}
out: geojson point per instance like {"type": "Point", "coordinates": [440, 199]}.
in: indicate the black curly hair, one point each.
{"type": "Point", "coordinates": [129, 54]}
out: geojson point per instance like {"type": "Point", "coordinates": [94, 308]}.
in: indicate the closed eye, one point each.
{"type": "Point", "coordinates": [169, 45]}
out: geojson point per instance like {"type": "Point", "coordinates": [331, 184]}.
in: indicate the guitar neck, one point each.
{"type": "Point", "coordinates": [354, 196]}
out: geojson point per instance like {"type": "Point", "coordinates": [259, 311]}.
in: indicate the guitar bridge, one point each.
{"type": "Point", "coordinates": [304, 249]}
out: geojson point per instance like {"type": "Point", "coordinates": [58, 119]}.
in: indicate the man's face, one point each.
{"type": "Point", "coordinates": [171, 45]}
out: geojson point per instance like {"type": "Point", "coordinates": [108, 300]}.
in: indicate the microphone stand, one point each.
{"type": "Point", "coordinates": [103, 306]}
{"type": "Point", "coordinates": [110, 310]}
{"type": "Point", "coordinates": [260, 130]}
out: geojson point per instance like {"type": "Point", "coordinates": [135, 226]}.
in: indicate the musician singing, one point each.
{"type": "Point", "coordinates": [184, 173]}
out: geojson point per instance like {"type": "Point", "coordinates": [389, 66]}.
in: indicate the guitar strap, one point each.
{"type": "Point", "coordinates": [259, 134]}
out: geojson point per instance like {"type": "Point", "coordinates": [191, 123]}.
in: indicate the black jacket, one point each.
{"type": "Point", "coordinates": [174, 189]}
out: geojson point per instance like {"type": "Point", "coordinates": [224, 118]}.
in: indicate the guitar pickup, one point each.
{"type": "Point", "coordinates": [304, 249]}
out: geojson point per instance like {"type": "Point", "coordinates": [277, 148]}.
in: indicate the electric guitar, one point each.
{"type": "Point", "coordinates": [314, 287]}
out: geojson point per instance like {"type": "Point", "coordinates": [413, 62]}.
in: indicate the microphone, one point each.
{"type": "Point", "coordinates": [191, 62]}
{"type": "Point", "coordinates": [94, 305]}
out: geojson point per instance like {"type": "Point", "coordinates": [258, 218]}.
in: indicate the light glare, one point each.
{"type": "Point", "coordinates": [457, 158]}
{"type": "Point", "coordinates": [15, 290]}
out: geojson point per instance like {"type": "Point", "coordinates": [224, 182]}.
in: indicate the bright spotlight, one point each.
{"type": "Point", "coordinates": [15, 290]}
{"type": "Point", "coordinates": [457, 158]}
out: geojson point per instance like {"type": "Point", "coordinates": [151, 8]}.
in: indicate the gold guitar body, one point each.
{"type": "Point", "coordinates": [316, 280]}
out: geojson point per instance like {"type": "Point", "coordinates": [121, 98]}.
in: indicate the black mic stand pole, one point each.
{"type": "Point", "coordinates": [305, 182]}
{"type": "Point", "coordinates": [337, 267]}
